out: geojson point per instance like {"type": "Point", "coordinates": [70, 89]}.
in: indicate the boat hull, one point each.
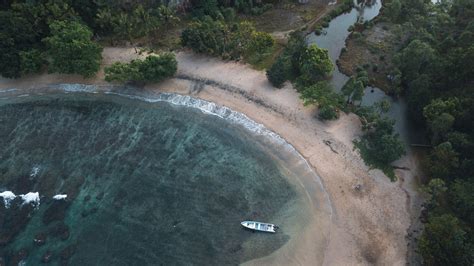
{"type": "Point", "coordinates": [259, 226]}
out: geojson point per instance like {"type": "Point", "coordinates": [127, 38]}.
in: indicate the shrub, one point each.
{"type": "Point", "coordinates": [328, 112]}
{"type": "Point", "coordinates": [315, 63]}
{"type": "Point", "coordinates": [154, 68]}
{"type": "Point", "coordinates": [31, 61]}
{"type": "Point", "coordinates": [71, 49]}
{"type": "Point", "coordinates": [277, 74]}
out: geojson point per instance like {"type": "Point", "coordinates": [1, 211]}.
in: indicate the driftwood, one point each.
{"type": "Point", "coordinates": [328, 142]}
{"type": "Point", "coordinates": [401, 167]}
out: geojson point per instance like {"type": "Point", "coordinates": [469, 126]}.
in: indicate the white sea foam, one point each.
{"type": "Point", "coordinates": [212, 109]}
{"type": "Point", "coordinates": [28, 198]}
{"type": "Point", "coordinates": [78, 88]}
{"type": "Point", "coordinates": [7, 196]}
{"type": "Point", "coordinates": [8, 90]}
{"type": "Point", "coordinates": [31, 198]}
{"type": "Point", "coordinates": [34, 171]}
{"type": "Point", "coordinates": [60, 196]}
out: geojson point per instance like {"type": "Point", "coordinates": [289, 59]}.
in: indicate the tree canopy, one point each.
{"type": "Point", "coordinates": [71, 50]}
{"type": "Point", "coordinates": [227, 39]}
{"type": "Point", "coordinates": [154, 68]}
{"type": "Point", "coordinates": [315, 63]}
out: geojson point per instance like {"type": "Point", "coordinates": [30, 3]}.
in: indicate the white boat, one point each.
{"type": "Point", "coordinates": [258, 226]}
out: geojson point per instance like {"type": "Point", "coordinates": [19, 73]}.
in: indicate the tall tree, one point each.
{"type": "Point", "coordinates": [444, 242]}
{"type": "Point", "coordinates": [71, 49]}
{"type": "Point", "coordinates": [315, 63]}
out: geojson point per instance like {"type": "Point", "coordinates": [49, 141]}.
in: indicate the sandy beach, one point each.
{"type": "Point", "coordinates": [370, 216]}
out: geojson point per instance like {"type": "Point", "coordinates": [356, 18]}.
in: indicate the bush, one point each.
{"type": "Point", "coordinates": [31, 61]}
{"type": "Point", "coordinates": [328, 112]}
{"type": "Point", "coordinates": [71, 49]}
{"type": "Point", "coordinates": [154, 68]}
{"type": "Point", "coordinates": [444, 242]}
{"type": "Point", "coordinates": [277, 74]}
{"type": "Point", "coordinates": [315, 63]}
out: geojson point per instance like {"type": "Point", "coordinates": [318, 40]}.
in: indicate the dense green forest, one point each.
{"type": "Point", "coordinates": [64, 36]}
{"type": "Point", "coordinates": [436, 70]}
{"type": "Point", "coordinates": [41, 34]}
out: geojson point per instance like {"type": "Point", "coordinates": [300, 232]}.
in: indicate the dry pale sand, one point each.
{"type": "Point", "coordinates": [371, 215]}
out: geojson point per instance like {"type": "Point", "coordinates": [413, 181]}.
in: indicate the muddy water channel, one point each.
{"type": "Point", "coordinates": [334, 39]}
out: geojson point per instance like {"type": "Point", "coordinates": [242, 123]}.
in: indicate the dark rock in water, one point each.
{"type": "Point", "coordinates": [60, 230]}
{"type": "Point", "coordinates": [72, 187]}
{"type": "Point", "coordinates": [56, 211]}
{"type": "Point", "coordinates": [49, 182]}
{"type": "Point", "coordinates": [46, 258]}
{"type": "Point", "coordinates": [13, 220]}
{"type": "Point", "coordinates": [18, 257]}
{"type": "Point", "coordinates": [66, 254]}
{"type": "Point", "coordinates": [99, 196]}
{"type": "Point", "coordinates": [86, 213]}
{"type": "Point", "coordinates": [21, 185]}
{"type": "Point", "coordinates": [40, 239]}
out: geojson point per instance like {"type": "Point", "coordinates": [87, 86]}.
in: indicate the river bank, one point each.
{"type": "Point", "coordinates": [370, 215]}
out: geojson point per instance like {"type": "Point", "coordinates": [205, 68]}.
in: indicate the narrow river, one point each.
{"type": "Point", "coordinates": [334, 39]}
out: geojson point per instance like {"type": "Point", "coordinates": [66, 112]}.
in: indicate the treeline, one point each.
{"type": "Point", "coordinates": [41, 34]}
{"type": "Point", "coordinates": [436, 66]}
{"type": "Point", "coordinates": [62, 35]}
{"type": "Point", "coordinates": [227, 38]}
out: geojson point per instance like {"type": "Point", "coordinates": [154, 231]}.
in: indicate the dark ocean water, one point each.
{"type": "Point", "coordinates": [147, 184]}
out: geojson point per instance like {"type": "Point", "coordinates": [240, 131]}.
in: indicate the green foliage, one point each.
{"type": "Point", "coordinates": [436, 189]}
{"type": "Point", "coordinates": [443, 160]}
{"type": "Point", "coordinates": [136, 23]}
{"type": "Point", "coordinates": [328, 112]}
{"type": "Point", "coordinates": [394, 10]}
{"type": "Point", "coordinates": [277, 74]}
{"type": "Point", "coordinates": [435, 66]}
{"type": "Point", "coordinates": [354, 87]}
{"type": "Point", "coordinates": [153, 68]}
{"type": "Point", "coordinates": [440, 117]}
{"type": "Point", "coordinates": [123, 72]}
{"type": "Point", "coordinates": [16, 35]}
{"type": "Point", "coordinates": [31, 61]}
{"type": "Point", "coordinates": [416, 59]}
{"type": "Point", "coordinates": [444, 242]}
{"type": "Point", "coordinates": [322, 94]}
{"type": "Point", "coordinates": [380, 145]}
{"type": "Point", "coordinates": [71, 50]}
{"type": "Point", "coordinates": [229, 40]}
{"type": "Point", "coordinates": [157, 68]}
{"type": "Point", "coordinates": [315, 64]}
{"type": "Point", "coordinates": [462, 199]}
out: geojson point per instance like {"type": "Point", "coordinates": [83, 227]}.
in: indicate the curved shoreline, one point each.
{"type": "Point", "coordinates": [369, 224]}
{"type": "Point", "coordinates": [307, 173]}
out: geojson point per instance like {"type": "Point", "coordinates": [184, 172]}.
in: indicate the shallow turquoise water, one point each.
{"type": "Point", "coordinates": [147, 184]}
